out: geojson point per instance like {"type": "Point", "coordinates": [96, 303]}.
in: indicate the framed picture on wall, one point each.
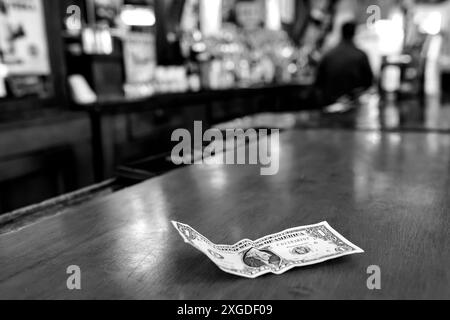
{"type": "Point", "coordinates": [139, 57]}
{"type": "Point", "coordinates": [23, 40]}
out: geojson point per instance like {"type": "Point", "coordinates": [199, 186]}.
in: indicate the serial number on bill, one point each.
{"type": "Point", "coordinates": [225, 310]}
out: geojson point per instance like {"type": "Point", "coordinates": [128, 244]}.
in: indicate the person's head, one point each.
{"type": "Point", "coordinates": [348, 30]}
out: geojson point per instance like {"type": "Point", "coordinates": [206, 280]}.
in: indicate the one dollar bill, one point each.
{"type": "Point", "coordinates": [276, 253]}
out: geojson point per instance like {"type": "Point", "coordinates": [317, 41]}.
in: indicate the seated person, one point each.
{"type": "Point", "coordinates": [343, 71]}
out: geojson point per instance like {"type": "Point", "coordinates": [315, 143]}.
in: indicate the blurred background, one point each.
{"type": "Point", "coordinates": [91, 90]}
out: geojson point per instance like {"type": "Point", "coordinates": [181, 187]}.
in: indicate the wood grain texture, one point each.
{"type": "Point", "coordinates": [387, 193]}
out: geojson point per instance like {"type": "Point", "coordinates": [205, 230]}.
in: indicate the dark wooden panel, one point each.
{"type": "Point", "coordinates": [388, 193]}
{"type": "Point", "coordinates": [36, 177]}
{"type": "Point", "coordinates": [54, 129]}
{"type": "Point", "coordinates": [43, 158]}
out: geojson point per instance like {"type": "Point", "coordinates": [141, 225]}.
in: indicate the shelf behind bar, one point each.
{"type": "Point", "coordinates": [184, 98]}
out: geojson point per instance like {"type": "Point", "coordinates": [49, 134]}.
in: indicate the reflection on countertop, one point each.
{"type": "Point", "coordinates": [373, 113]}
{"type": "Point", "coordinates": [368, 113]}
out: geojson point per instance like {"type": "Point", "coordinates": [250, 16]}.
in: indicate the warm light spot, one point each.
{"type": "Point", "coordinates": [3, 70]}
{"type": "Point", "coordinates": [430, 23]}
{"type": "Point", "coordinates": [138, 16]}
{"type": "Point", "coordinates": [390, 34]}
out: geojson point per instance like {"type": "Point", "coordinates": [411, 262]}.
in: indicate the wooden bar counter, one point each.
{"type": "Point", "coordinates": [389, 193]}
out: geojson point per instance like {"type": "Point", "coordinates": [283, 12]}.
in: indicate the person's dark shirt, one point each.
{"type": "Point", "coordinates": [342, 71]}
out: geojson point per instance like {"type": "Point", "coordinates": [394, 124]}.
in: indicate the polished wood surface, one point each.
{"type": "Point", "coordinates": [388, 193]}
